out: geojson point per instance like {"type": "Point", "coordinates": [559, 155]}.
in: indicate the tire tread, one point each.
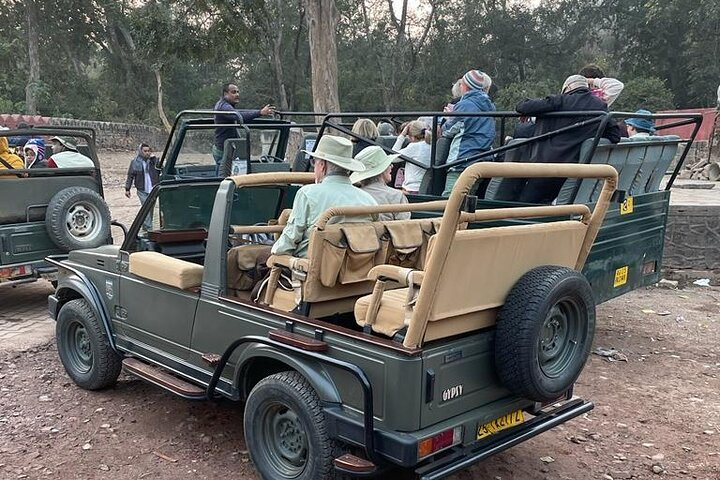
{"type": "Point", "coordinates": [107, 363]}
{"type": "Point", "coordinates": [516, 337]}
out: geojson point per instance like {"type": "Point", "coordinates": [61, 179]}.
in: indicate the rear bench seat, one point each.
{"type": "Point", "coordinates": [164, 269]}
{"type": "Point", "coordinates": [481, 267]}
{"type": "Point", "coordinates": [339, 258]}
{"type": "Point", "coordinates": [641, 163]}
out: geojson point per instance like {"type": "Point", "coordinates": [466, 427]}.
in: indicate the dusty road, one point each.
{"type": "Point", "coordinates": [657, 402]}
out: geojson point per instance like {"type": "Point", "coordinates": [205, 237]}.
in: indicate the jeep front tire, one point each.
{"type": "Point", "coordinates": [84, 349]}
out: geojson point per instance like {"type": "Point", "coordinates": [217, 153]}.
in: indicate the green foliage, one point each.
{"type": "Point", "coordinates": [509, 96]}
{"type": "Point", "coordinates": [98, 58]}
{"type": "Point", "coordinates": [648, 93]}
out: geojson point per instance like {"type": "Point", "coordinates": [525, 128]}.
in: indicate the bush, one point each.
{"type": "Point", "coordinates": [649, 93]}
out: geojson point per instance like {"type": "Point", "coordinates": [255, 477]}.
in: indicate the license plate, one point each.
{"type": "Point", "coordinates": [501, 423]}
{"type": "Point", "coordinates": [10, 273]}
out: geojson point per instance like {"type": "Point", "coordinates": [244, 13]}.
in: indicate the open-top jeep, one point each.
{"type": "Point", "coordinates": [49, 211]}
{"type": "Point", "coordinates": [430, 343]}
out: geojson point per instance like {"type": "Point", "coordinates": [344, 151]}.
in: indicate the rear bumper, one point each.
{"type": "Point", "coordinates": [26, 272]}
{"type": "Point", "coordinates": [401, 448]}
{"type": "Point", "coordinates": [461, 458]}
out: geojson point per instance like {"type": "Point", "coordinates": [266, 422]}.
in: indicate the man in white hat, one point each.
{"type": "Point", "coordinates": [333, 163]}
{"type": "Point", "coordinates": [65, 155]}
{"type": "Point", "coordinates": [375, 178]}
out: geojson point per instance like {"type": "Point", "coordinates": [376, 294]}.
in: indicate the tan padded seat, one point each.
{"type": "Point", "coordinates": [481, 267]}
{"type": "Point", "coordinates": [390, 316]}
{"type": "Point", "coordinates": [164, 269]}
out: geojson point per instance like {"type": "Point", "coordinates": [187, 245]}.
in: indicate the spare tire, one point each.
{"type": "Point", "coordinates": [544, 333]}
{"type": "Point", "coordinates": [76, 218]}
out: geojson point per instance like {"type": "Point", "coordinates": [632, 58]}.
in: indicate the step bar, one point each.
{"type": "Point", "coordinates": [163, 379]}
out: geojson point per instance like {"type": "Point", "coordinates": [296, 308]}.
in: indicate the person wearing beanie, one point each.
{"type": "Point", "coordinates": [470, 135]}
{"type": "Point", "coordinates": [564, 147]}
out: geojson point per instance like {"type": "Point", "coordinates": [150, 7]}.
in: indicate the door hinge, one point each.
{"type": "Point", "coordinates": [121, 266]}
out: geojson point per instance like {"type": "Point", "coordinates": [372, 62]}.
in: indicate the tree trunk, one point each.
{"type": "Point", "coordinates": [31, 88]}
{"type": "Point", "coordinates": [322, 19]}
{"type": "Point", "coordinates": [161, 110]}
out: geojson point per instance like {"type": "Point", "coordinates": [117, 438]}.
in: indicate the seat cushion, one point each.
{"type": "Point", "coordinates": [391, 314]}
{"type": "Point", "coordinates": [164, 269]}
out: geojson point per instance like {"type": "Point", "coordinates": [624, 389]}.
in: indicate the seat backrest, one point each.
{"type": "Point", "coordinates": [436, 177]}
{"type": "Point", "coordinates": [341, 255]}
{"type": "Point", "coordinates": [667, 154]}
{"type": "Point", "coordinates": [261, 167]}
{"type": "Point", "coordinates": [301, 163]}
{"type": "Point", "coordinates": [508, 189]}
{"type": "Point", "coordinates": [631, 169]}
{"type": "Point", "coordinates": [482, 265]}
{"type": "Point", "coordinates": [571, 185]}
{"type": "Point", "coordinates": [615, 155]}
{"type": "Point", "coordinates": [442, 150]}
{"type": "Point", "coordinates": [386, 141]}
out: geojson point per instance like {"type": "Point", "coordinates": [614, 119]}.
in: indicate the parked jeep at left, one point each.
{"type": "Point", "coordinates": [47, 211]}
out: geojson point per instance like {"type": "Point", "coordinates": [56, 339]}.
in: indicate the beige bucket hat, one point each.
{"type": "Point", "coordinates": [375, 161]}
{"type": "Point", "coordinates": [65, 142]}
{"type": "Point", "coordinates": [337, 150]}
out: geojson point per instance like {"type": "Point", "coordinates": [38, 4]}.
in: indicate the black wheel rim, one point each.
{"type": "Point", "coordinates": [284, 440]}
{"type": "Point", "coordinates": [79, 348]}
{"type": "Point", "coordinates": [560, 336]}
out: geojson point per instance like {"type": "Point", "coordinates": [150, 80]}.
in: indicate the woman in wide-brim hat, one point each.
{"type": "Point", "coordinates": [375, 178]}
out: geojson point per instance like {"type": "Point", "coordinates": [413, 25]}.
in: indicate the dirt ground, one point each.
{"type": "Point", "coordinates": [654, 379]}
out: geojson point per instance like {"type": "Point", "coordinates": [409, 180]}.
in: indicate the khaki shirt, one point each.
{"type": "Point", "coordinates": [384, 195]}
{"type": "Point", "coordinates": [310, 202]}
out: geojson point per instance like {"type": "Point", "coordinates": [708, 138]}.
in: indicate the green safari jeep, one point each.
{"type": "Point", "coordinates": [49, 211]}
{"type": "Point", "coordinates": [418, 343]}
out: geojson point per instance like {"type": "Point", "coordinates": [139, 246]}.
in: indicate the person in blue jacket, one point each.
{"type": "Point", "coordinates": [470, 135]}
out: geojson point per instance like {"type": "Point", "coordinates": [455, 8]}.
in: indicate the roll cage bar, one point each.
{"type": "Point", "coordinates": [601, 118]}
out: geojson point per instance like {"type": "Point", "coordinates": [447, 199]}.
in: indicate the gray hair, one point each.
{"type": "Point", "coordinates": [332, 169]}
{"type": "Point", "coordinates": [455, 90]}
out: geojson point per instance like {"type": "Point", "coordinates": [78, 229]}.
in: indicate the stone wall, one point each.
{"type": "Point", "coordinates": [692, 238]}
{"type": "Point", "coordinates": [118, 136]}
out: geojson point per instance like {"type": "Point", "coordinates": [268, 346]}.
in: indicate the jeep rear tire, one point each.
{"type": "Point", "coordinates": [285, 430]}
{"type": "Point", "coordinates": [84, 349]}
{"type": "Point", "coordinates": [544, 333]}
{"type": "Point", "coordinates": [76, 218]}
